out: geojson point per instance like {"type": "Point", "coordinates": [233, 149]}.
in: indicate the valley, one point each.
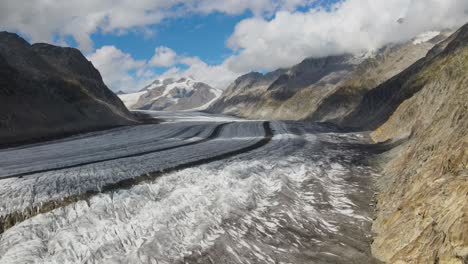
{"type": "Point", "coordinates": [204, 132]}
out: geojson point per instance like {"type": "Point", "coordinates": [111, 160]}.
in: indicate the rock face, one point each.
{"type": "Point", "coordinates": [323, 89]}
{"type": "Point", "coordinates": [423, 204]}
{"type": "Point", "coordinates": [171, 95]}
{"type": "Point", "coordinates": [48, 91]}
{"type": "Point", "coordinates": [244, 93]}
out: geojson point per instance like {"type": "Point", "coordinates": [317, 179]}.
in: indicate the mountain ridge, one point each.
{"type": "Point", "coordinates": [327, 81]}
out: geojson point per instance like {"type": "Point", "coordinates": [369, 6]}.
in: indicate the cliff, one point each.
{"type": "Point", "coordinates": [423, 205]}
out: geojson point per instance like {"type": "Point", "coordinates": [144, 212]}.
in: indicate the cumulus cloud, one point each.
{"type": "Point", "coordinates": [116, 68]}
{"type": "Point", "coordinates": [121, 71]}
{"type": "Point", "coordinates": [351, 26]}
{"type": "Point", "coordinates": [55, 20]}
{"type": "Point", "coordinates": [276, 36]}
{"type": "Point", "coordinates": [52, 19]}
{"type": "Point", "coordinates": [218, 76]}
{"type": "Point", "coordinates": [163, 57]}
{"type": "Point", "coordinates": [258, 7]}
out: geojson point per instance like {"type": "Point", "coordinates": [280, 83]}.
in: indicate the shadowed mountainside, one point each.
{"type": "Point", "coordinates": [48, 91]}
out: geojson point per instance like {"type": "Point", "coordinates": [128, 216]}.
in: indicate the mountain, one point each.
{"type": "Point", "coordinates": [48, 91]}
{"type": "Point", "coordinates": [423, 202]}
{"type": "Point", "coordinates": [172, 95]}
{"type": "Point", "coordinates": [319, 89]}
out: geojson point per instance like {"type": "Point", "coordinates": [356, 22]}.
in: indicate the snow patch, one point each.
{"type": "Point", "coordinates": [131, 99]}
{"type": "Point", "coordinates": [425, 37]}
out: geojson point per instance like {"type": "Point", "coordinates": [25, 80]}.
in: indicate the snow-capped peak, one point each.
{"type": "Point", "coordinates": [169, 92]}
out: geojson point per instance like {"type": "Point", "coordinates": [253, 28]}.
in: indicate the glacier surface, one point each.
{"type": "Point", "coordinates": [301, 198]}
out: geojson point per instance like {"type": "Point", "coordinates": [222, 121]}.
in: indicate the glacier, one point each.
{"type": "Point", "coordinates": [301, 198]}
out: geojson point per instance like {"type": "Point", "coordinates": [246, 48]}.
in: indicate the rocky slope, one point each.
{"type": "Point", "coordinates": [244, 93]}
{"type": "Point", "coordinates": [423, 204]}
{"type": "Point", "coordinates": [172, 95]}
{"type": "Point", "coordinates": [319, 89]}
{"type": "Point", "coordinates": [48, 91]}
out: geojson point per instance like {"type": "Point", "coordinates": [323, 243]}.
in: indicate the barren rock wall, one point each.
{"type": "Point", "coordinates": [423, 206]}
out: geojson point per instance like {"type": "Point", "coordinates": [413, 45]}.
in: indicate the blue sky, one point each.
{"type": "Point", "coordinates": [198, 35]}
{"type": "Point", "coordinates": [132, 42]}
{"type": "Point", "coordinates": [203, 36]}
{"type": "Point", "coordinates": [194, 35]}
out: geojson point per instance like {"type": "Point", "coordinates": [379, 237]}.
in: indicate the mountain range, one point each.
{"type": "Point", "coordinates": [319, 89]}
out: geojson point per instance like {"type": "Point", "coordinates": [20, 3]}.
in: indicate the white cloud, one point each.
{"type": "Point", "coordinates": [163, 57]}
{"type": "Point", "coordinates": [121, 71]}
{"type": "Point", "coordinates": [48, 20]}
{"type": "Point", "coordinates": [218, 76]}
{"type": "Point", "coordinates": [116, 67]}
{"type": "Point", "coordinates": [261, 42]}
{"type": "Point", "coordinates": [258, 7]}
{"type": "Point", "coordinates": [349, 27]}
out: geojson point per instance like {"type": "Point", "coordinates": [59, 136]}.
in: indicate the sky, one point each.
{"type": "Point", "coordinates": [132, 42]}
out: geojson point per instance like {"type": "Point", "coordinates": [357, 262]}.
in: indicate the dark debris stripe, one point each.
{"type": "Point", "coordinates": [128, 183]}
{"type": "Point", "coordinates": [8, 221]}
{"type": "Point", "coordinates": [214, 134]}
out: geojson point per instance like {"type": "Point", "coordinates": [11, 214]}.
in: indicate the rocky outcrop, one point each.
{"type": "Point", "coordinates": [48, 91]}
{"type": "Point", "coordinates": [172, 95]}
{"type": "Point", "coordinates": [423, 204]}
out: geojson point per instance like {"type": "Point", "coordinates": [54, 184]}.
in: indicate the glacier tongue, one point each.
{"type": "Point", "coordinates": [298, 199]}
